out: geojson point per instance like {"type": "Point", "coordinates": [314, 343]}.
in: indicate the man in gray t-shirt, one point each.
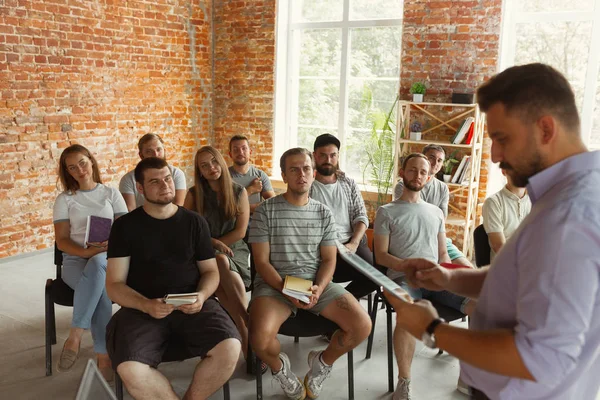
{"type": "Point", "coordinates": [411, 228]}
{"type": "Point", "coordinates": [255, 181]}
{"type": "Point", "coordinates": [293, 235]}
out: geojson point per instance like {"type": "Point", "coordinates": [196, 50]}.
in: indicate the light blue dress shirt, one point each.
{"type": "Point", "coordinates": [544, 284]}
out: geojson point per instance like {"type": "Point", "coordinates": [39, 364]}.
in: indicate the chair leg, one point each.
{"type": "Point", "coordinates": [370, 303]}
{"type": "Point", "coordinates": [226, 394]}
{"type": "Point", "coordinates": [48, 326]}
{"type": "Point", "coordinates": [251, 360]}
{"type": "Point", "coordinates": [373, 321]}
{"type": "Point", "coordinates": [390, 352]}
{"type": "Point", "coordinates": [296, 339]}
{"type": "Point", "coordinates": [350, 375]}
{"type": "Point", "coordinates": [259, 391]}
{"type": "Point", "coordinates": [53, 322]}
{"type": "Point", "coordinates": [118, 386]}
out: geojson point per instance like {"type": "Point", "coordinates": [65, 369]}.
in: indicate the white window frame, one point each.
{"type": "Point", "coordinates": [512, 17]}
{"type": "Point", "coordinates": [286, 70]}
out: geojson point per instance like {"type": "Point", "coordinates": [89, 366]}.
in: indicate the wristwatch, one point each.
{"type": "Point", "coordinates": [428, 337]}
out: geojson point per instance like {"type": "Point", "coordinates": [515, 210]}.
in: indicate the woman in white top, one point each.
{"type": "Point", "coordinates": [84, 264]}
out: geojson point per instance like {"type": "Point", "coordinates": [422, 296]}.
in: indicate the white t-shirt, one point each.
{"type": "Point", "coordinates": [332, 195]}
{"type": "Point", "coordinates": [102, 201]}
{"type": "Point", "coordinates": [413, 229]}
{"type": "Point", "coordinates": [503, 212]}
{"type": "Point", "coordinates": [127, 184]}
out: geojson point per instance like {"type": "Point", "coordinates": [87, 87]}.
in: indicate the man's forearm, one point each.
{"type": "Point", "coordinates": [125, 296]}
{"type": "Point", "coordinates": [254, 206]}
{"type": "Point", "coordinates": [359, 230]}
{"type": "Point", "coordinates": [389, 261]}
{"type": "Point", "coordinates": [208, 283]}
{"type": "Point", "coordinates": [269, 274]}
{"type": "Point", "coordinates": [467, 282]}
{"type": "Point", "coordinates": [493, 351]}
{"type": "Point", "coordinates": [325, 273]}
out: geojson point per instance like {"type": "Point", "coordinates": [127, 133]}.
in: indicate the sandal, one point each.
{"type": "Point", "coordinates": [67, 358]}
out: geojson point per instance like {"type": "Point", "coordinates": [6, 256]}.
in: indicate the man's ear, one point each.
{"type": "Point", "coordinates": [548, 127]}
{"type": "Point", "coordinates": [401, 173]}
{"type": "Point", "coordinates": [284, 177]}
{"type": "Point", "coordinates": [139, 187]}
{"type": "Point", "coordinates": [428, 178]}
{"type": "Point", "coordinates": [230, 156]}
{"type": "Point", "coordinates": [141, 157]}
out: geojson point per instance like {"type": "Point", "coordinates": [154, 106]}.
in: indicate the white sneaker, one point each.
{"type": "Point", "coordinates": [316, 375]}
{"type": "Point", "coordinates": [402, 391]}
{"type": "Point", "coordinates": [291, 385]}
{"type": "Point", "coordinates": [462, 387]}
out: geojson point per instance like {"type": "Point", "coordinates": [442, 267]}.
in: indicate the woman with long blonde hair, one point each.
{"type": "Point", "coordinates": [225, 206]}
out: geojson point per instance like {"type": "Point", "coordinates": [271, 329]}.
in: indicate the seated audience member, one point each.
{"type": "Point", "coordinates": [150, 145]}
{"type": "Point", "coordinates": [341, 194]}
{"type": "Point", "coordinates": [407, 228]}
{"type": "Point", "coordinates": [255, 181]}
{"type": "Point", "coordinates": [159, 249]}
{"type": "Point", "coordinates": [436, 192]}
{"type": "Point", "coordinates": [503, 212]}
{"type": "Point", "coordinates": [292, 234]}
{"type": "Point", "coordinates": [224, 204]}
{"type": "Point", "coordinates": [84, 264]}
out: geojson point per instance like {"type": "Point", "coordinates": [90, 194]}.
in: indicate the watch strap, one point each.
{"type": "Point", "coordinates": [434, 324]}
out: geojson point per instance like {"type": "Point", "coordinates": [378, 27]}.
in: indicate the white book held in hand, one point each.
{"type": "Point", "coordinates": [180, 299]}
{"type": "Point", "coordinates": [297, 288]}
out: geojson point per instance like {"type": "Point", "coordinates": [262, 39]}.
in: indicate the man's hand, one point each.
{"type": "Point", "coordinates": [314, 298]}
{"type": "Point", "coordinates": [194, 307]}
{"type": "Point", "coordinates": [157, 308]}
{"type": "Point", "coordinates": [412, 317]}
{"type": "Point", "coordinates": [426, 274]}
{"type": "Point", "coordinates": [255, 186]}
{"type": "Point", "coordinates": [222, 247]}
{"type": "Point", "coordinates": [351, 246]}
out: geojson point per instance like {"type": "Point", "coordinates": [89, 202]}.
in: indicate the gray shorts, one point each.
{"type": "Point", "coordinates": [331, 292]}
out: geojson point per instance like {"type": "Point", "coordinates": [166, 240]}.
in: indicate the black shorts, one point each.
{"type": "Point", "coordinates": [132, 335]}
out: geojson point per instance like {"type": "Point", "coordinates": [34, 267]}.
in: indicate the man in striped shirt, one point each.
{"type": "Point", "coordinates": [292, 234]}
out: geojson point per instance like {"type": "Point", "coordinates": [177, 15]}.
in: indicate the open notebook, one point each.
{"type": "Point", "coordinates": [93, 386]}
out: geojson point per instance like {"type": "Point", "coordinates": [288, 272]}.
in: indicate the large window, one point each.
{"type": "Point", "coordinates": [338, 63]}
{"type": "Point", "coordinates": [566, 35]}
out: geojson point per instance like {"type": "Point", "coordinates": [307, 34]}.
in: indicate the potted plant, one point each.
{"type": "Point", "coordinates": [418, 90]}
{"type": "Point", "coordinates": [415, 130]}
{"type": "Point", "coordinates": [449, 164]}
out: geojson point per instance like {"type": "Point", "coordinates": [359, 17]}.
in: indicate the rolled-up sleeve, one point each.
{"type": "Point", "coordinates": [558, 286]}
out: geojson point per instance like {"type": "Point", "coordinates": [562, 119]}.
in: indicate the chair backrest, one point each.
{"type": "Point", "coordinates": [482, 246]}
{"type": "Point", "coordinates": [58, 260]}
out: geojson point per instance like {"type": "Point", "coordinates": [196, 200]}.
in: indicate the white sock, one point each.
{"type": "Point", "coordinates": [321, 360]}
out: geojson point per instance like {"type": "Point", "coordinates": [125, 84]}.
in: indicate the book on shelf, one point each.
{"type": "Point", "coordinates": [97, 230]}
{"type": "Point", "coordinates": [466, 174]}
{"type": "Point", "coordinates": [470, 134]}
{"type": "Point", "coordinates": [458, 130]}
{"type": "Point", "coordinates": [459, 170]}
{"type": "Point", "coordinates": [464, 129]}
{"type": "Point", "coordinates": [297, 288]}
{"type": "Point", "coordinates": [180, 299]}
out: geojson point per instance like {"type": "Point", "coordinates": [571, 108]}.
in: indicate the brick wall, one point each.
{"type": "Point", "coordinates": [100, 74]}
{"type": "Point", "coordinates": [452, 46]}
{"type": "Point", "coordinates": [244, 70]}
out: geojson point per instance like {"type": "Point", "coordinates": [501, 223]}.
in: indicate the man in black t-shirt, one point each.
{"type": "Point", "coordinates": [161, 249]}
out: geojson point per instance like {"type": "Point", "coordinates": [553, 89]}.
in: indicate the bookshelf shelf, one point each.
{"type": "Point", "coordinates": [444, 120]}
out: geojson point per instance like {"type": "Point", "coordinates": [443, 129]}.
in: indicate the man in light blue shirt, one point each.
{"type": "Point", "coordinates": [536, 328]}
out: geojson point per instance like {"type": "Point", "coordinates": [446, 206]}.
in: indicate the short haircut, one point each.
{"type": "Point", "coordinates": [532, 91]}
{"type": "Point", "coordinates": [236, 138]}
{"type": "Point", "coordinates": [433, 147]}
{"type": "Point", "coordinates": [148, 137]}
{"type": "Point", "coordinates": [146, 164]}
{"type": "Point", "coordinates": [411, 156]}
{"type": "Point", "coordinates": [294, 152]}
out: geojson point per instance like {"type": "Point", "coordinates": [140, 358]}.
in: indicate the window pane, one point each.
{"type": "Point", "coordinates": [563, 45]}
{"type": "Point", "coordinates": [318, 102]}
{"type": "Point", "coordinates": [320, 52]}
{"type": "Point", "coordinates": [554, 5]}
{"type": "Point", "coordinates": [380, 60]}
{"type": "Point", "coordinates": [369, 96]}
{"type": "Point", "coordinates": [381, 9]}
{"type": "Point", "coordinates": [307, 136]}
{"type": "Point", "coordinates": [317, 10]}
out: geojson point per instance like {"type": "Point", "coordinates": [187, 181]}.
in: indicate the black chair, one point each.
{"type": "Point", "coordinates": [482, 247]}
{"type": "Point", "coordinates": [56, 292]}
{"type": "Point", "coordinates": [447, 313]}
{"type": "Point", "coordinates": [174, 352]}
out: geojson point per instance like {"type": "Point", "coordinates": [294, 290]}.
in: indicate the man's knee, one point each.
{"type": "Point", "coordinates": [362, 326]}
{"type": "Point", "coordinates": [227, 353]}
{"type": "Point", "coordinates": [222, 261]}
{"type": "Point", "coordinates": [132, 372]}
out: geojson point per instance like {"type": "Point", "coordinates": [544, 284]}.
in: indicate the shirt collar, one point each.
{"type": "Point", "coordinates": [541, 182]}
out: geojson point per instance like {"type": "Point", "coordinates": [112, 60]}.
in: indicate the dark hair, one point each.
{"type": "Point", "coordinates": [411, 156]}
{"type": "Point", "coordinates": [294, 152]}
{"type": "Point", "coordinates": [236, 138]}
{"type": "Point", "coordinates": [532, 90]}
{"type": "Point", "coordinates": [226, 197]}
{"type": "Point", "coordinates": [146, 164]}
{"type": "Point", "coordinates": [148, 137]}
{"type": "Point", "coordinates": [433, 147]}
{"type": "Point", "coordinates": [68, 183]}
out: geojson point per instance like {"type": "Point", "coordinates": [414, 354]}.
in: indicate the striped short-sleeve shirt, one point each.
{"type": "Point", "coordinates": [294, 233]}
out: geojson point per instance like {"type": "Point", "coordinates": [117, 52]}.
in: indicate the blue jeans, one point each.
{"type": "Point", "coordinates": [443, 297]}
{"type": "Point", "coordinates": [91, 306]}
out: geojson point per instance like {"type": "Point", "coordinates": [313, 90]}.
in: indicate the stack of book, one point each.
{"type": "Point", "coordinates": [463, 172]}
{"type": "Point", "coordinates": [465, 130]}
